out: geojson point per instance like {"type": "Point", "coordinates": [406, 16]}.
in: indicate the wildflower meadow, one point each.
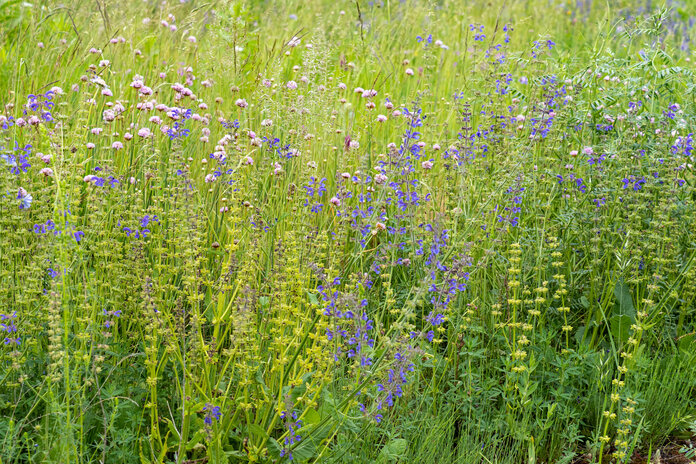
{"type": "Point", "coordinates": [348, 231]}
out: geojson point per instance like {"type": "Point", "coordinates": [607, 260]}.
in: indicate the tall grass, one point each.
{"type": "Point", "coordinates": [389, 231]}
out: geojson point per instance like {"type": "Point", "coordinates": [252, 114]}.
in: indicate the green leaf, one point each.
{"type": "Point", "coordinates": [624, 300]}
{"type": "Point", "coordinates": [620, 326]}
{"type": "Point", "coordinates": [395, 449]}
{"type": "Point", "coordinates": [311, 417]}
{"type": "Point", "coordinates": [255, 430]}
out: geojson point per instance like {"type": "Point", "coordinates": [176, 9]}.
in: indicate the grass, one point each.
{"type": "Point", "coordinates": [346, 232]}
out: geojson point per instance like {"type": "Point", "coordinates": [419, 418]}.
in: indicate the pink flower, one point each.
{"type": "Point", "coordinates": [292, 85]}
{"type": "Point", "coordinates": [96, 130]}
{"type": "Point", "coordinates": [427, 165]}
{"type": "Point", "coordinates": [128, 136]}
{"type": "Point", "coordinates": [90, 145]}
{"type": "Point", "coordinates": [48, 172]}
{"type": "Point", "coordinates": [242, 103]}
{"type": "Point", "coordinates": [381, 118]}
{"type": "Point", "coordinates": [335, 201]}
{"type": "Point", "coordinates": [409, 72]}
{"type": "Point", "coordinates": [117, 145]}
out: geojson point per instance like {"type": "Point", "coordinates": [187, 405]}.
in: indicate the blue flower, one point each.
{"type": "Point", "coordinates": [212, 412]}
{"type": "Point", "coordinates": [24, 198]}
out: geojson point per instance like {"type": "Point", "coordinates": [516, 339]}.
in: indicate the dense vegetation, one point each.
{"type": "Point", "coordinates": [319, 231]}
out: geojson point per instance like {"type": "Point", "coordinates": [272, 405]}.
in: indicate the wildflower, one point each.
{"type": "Point", "coordinates": [117, 145]}
{"type": "Point", "coordinates": [242, 103]}
{"type": "Point", "coordinates": [292, 85]}
{"type": "Point", "coordinates": [24, 198]}
{"type": "Point", "coordinates": [48, 172]}
{"type": "Point", "coordinates": [381, 118]}
{"type": "Point", "coordinates": [212, 413]}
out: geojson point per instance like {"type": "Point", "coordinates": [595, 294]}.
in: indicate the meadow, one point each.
{"type": "Point", "coordinates": [313, 231]}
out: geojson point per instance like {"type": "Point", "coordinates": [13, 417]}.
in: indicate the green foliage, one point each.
{"type": "Point", "coordinates": [416, 231]}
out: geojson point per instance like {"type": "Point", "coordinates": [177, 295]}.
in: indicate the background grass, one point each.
{"type": "Point", "coordinates": [484, 254]}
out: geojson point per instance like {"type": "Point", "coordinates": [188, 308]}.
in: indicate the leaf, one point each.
{"type": "Point", "coordinates": [313, 298]}
{"type": "Point", "coordinates": [395, 449]}
{"type": "Point", "coordinates": [624, 299]}
{"type": "Point", "coordinates": [620, 326]}
{"type": "Point", "coordinates": [255, 430]}
{"type": "Point", "coordinates": [311, 417]}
